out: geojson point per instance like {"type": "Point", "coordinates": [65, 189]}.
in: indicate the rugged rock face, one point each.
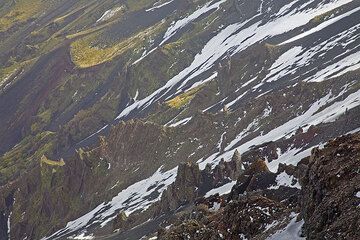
{"type": "Point", "coordinates": [256, 177]}
{"type": "Point", "coordinates": [241, 219]}
{"type": "Point", "coordinates": [330, 196]}
{"type": "Point", "coordinates": [52, 191]}
{"type": "Point", "coordinates": [124, 91]}
{"type": "Point", "coordinates": [244, 215]}
{"type": "Point", "coordinates": [60, 190]}
{"type": "Point", "coordinates": [249, 216]}
{"type": "Point", "coordinates": [328, 202]}
{"type": "Point", "coordinates": [192, 183]}
{"type": "Point", "coordinates": [231, 169]}
{"type": "Point", "coordinates": [184, 190]}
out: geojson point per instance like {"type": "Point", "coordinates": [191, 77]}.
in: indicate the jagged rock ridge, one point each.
{"type": "Point", "coordinates": [126, 91]}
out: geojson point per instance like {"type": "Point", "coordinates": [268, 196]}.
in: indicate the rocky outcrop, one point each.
{"type": "Point", "coordinates": [57, 191]}
{"type": "Point", "coordinates": [120, 222]}
{"type": "Point", "coordinates": [256, 208]}
{"type": "Point", "coordinates": [192, 183]}
{"type": "Point", "coordinates": [222, 172]}
{"type": "Point", "coordinates": [63, 190]}
{"type": "Point", "coordinates": [330, 197]}
{"type": "Point", "coordinates": [241, 219]}
{"type": "Point", "coordinates": [233, 169]}
{"type": "Point", "coordinates": [249, 216]}
{"type": "Point", "coordinates": [184, 190]}
{"type": "Point", "coordinates": [256, 177]}
{"type": "Point", "coordinates": [47, 197]}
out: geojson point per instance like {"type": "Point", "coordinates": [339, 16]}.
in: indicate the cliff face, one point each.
{"type": "Point", "coordinates": [62, 189]}
{"type": "Point", "coordinates": [184, 190]}
{"type": "Point", "coordinates": [326, 207]}
{"type": "Point", "coordinates": [256, 177]}
{"type": "Point", "coordinates": [330, 196]}
{"type": "Point", "coordinates": [46, 197]}
{"type": "Point", "coordinates": [192, 183]}
{"type": "Point", "coordinates": [55, 192]}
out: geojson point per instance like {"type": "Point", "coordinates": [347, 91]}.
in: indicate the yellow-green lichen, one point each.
{"type": "Point", "coordinates": [47, 161]}
{"type": "Point", "coordinates": [182, 99]}
{"type": "Point", "coordinates": [322, 17]}
{"type": "Point", "coordinates": [84, 54]}
{"type": "Point", "coordinates": [20, 12]}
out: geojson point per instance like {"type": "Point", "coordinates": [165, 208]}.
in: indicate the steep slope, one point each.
{"type": "Point", "coordinates": [327, 203]}
{"type": "Point", "coordinates": [268, 79]}
{"type": "Point", "coordinates": [330, 194]}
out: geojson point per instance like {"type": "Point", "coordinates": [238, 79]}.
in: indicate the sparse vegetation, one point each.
{"type": "Point", "coordinates": [23, 10]}
{"type": "Point", "coordinates": [45, 160]}
{"type": "Point", "coordinates": [182, 99]}
{"type": "Point", "coordinates": [25, 154]}
{"type": "Point", "coordinates": [322, 17]}
{"type": "Point", "coordinates": [85, 55]}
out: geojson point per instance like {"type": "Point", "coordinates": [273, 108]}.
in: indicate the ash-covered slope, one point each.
{"type": "Point", "coordinates": [101, 101]}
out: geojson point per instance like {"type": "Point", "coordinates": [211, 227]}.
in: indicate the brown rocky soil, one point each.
{"type": "Point", "coordinates": [329, 204]}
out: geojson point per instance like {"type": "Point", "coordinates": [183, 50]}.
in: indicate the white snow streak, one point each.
{"type": "Point", "coordinates": [109, 14]}
{"type": "Point", "coordinates": [321, 26]}
{"type": "Point", "coordinates": [181, 122]}
{"type": "Point", "coordinates": [131, 199]}
{"type": "Point", "coordinates": [282, 65]}
{"type": "Point", "coordinates": [176, 26]}
{"type": "Point", "coordinates": [158, 6]}
{"type": "Point", "coordinates": [225, 189]}
{"type": "Point", "coordinates": [233, 38]}
{"type": "Point", "coordinates": [283, 179]}
{"type": "Point", "coordinates": [349, 63]}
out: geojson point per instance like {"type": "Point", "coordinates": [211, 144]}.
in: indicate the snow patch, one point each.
{"type": "Point", "coordinates": [176, 26]}
{"type": "Point", "coordinates": [82, 236]}
{"type": "Point", "coordinates": [181, 122]}
{"type": "Point", "coordinates": [215, 207]}
{"type": "Point", "coordinates": [283, 179]}
{"type": "Point", "coordinates": [283, 64]}
{"type": "Point", "coordinates": [357, 194]}
{"type": "Point", "coordinates": [9, 225]}
{"type": "Point", "coordinates": [291, 157]}
{"type": "Point", "coordinates": [158, 6]}
{"type": "Point", "coordinates": [109, 14]}
{"type": "Point", "coordinates": [291, 231]}
{"type": "Point", "coordinates": [321, 26]}
{"type": "Point", "coordinates": [347, 64]}
{"type": "Point", "coordinates": [224, 189]}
